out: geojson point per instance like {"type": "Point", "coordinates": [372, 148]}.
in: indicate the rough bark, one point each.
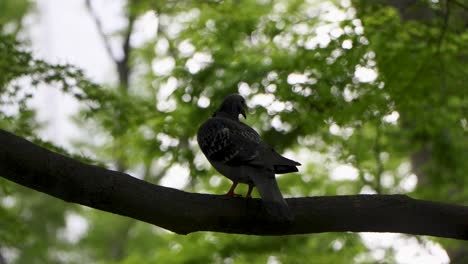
{"type": "Point", "coordinates": [40, 169]}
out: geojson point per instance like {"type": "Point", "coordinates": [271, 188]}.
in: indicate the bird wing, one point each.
{"type": "Point", "coordinates": [229, 142]}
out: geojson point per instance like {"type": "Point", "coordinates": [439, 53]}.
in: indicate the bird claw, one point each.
{"type": "Point", "coordinates": [233, 194]}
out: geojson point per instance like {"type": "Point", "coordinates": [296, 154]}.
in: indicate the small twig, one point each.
{"type": "Point", "coordinates": [172, 50]}
{"type": "Point", "coordinates": [126, 44]}
{"type": "Point", "coordinates": [464, 6]}
{"type": "Point", "coordinates": [444, 25]}
{"type": "Point", "coordinates": [122, 64]}
{"type": "Point", "coordinates": [440, 42]}
{"type": "Point", "coordinates": [100, 30]}
{"type": "Point", "coordinates": [357, 163]}
{"type": "Point", "coordinates": [378, 160]}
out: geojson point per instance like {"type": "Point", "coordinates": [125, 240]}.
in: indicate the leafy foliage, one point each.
{"type": "Point", "coordinates": [358, 85]}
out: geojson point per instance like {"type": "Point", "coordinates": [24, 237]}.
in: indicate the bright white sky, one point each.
{"type": "Point", "coordinates": [64, 32]}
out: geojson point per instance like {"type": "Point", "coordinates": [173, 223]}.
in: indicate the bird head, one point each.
{"type": "Point", "coordinates": [232, 106]}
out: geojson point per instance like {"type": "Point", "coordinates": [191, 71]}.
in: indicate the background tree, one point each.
{"type": "Point", "coordinates": [377, 86]}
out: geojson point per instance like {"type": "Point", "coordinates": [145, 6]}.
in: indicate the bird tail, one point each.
{"type": "Point", "coordinates": [282, 164]}
{"type": "Point", "coordinates": [267, 186]}
{"type": "Point", "coordinates": [281, 169]}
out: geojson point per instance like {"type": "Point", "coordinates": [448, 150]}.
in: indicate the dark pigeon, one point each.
{"type": "Point", "coordinates": [237, 151]}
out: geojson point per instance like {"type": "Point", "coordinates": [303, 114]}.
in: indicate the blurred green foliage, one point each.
{"type": "Point", "coordinates": [300, 65]}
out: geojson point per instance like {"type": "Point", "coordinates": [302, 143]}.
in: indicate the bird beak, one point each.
{"type": "Point", "coordinates": [243, 108]}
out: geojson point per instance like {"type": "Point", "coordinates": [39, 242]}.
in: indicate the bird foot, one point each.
{"type": "Point", "coordinates": [249, 192]}
{"type": "Point", "coordinates": [233, 194]}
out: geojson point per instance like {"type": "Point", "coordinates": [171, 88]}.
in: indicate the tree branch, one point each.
{"type": "Point", "coordinates": [35, 167]}
{"type": "Point", "coordinates": [123, 68]}
{"type": "Point", "coordinates": [100, 30]}
{"type": "Point", "coordinates": [412, 9]}
{"type": "Point", "coordinates": [460, 4]}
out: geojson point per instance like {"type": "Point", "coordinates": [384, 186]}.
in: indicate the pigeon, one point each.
{"type": "Point", "coordinates": [237, 151]}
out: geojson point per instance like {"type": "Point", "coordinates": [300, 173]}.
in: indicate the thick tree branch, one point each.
{"type": "Point", "coordinates": [30, 165]}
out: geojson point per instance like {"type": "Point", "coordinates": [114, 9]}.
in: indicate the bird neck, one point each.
{"type": "Point", "coordinates": [228, 115]}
